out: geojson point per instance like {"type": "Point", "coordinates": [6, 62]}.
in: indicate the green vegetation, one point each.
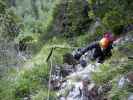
{"type": "Point", "coordinates": [40, 24]}
{"type": "Point", "coordinates": [27, 83]}
{"type": "Point", "coordinates": [114, 13]}
{"type": "Point", "coordinates": [111, 72]}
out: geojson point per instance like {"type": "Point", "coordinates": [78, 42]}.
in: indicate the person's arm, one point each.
{"type": "Point", "coordinates": [84, 50]}
{"type": "Point", "coordinates": [89, 47]}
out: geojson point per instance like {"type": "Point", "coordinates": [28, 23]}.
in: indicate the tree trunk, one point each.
{"type": "Point", "coordinates": [12, 3]}
{"type": "Point", "coordinates": [35, 8]}
{"type": "Point", "coordinates": [42, 5]}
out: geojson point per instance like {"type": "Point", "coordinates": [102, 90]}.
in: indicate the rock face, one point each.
{"type": "Point", "coordinates": [130, 77]}
{"type": "Point", "coordinates": [122, 44]}
{"type": "Point", "coordinates": [11, 57]}
{"type": "Point", "coordinates": [74, 82]}
{"type": "Point", "coordinates": [77, 84]}
{"type": "Point", "coordinates": [130, 97]}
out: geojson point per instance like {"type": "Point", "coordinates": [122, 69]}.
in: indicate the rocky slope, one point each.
{"type": "Point", "coordinates": [74, 82]}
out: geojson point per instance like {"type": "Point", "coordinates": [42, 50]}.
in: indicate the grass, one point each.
{"type": "Point", "coordinates": [112, 70]}
{"type": "Point", "coordinates": [31, 80]}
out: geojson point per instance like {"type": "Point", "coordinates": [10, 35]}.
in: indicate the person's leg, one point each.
{"type": "Point", "coordinates": [100, 59]}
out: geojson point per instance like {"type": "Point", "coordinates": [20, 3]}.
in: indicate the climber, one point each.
{"type": "Point", "coordinates": [99, 50]}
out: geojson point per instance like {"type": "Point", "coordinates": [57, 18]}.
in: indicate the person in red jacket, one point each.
{"type": "Point", "coordinates": [101, 49]}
